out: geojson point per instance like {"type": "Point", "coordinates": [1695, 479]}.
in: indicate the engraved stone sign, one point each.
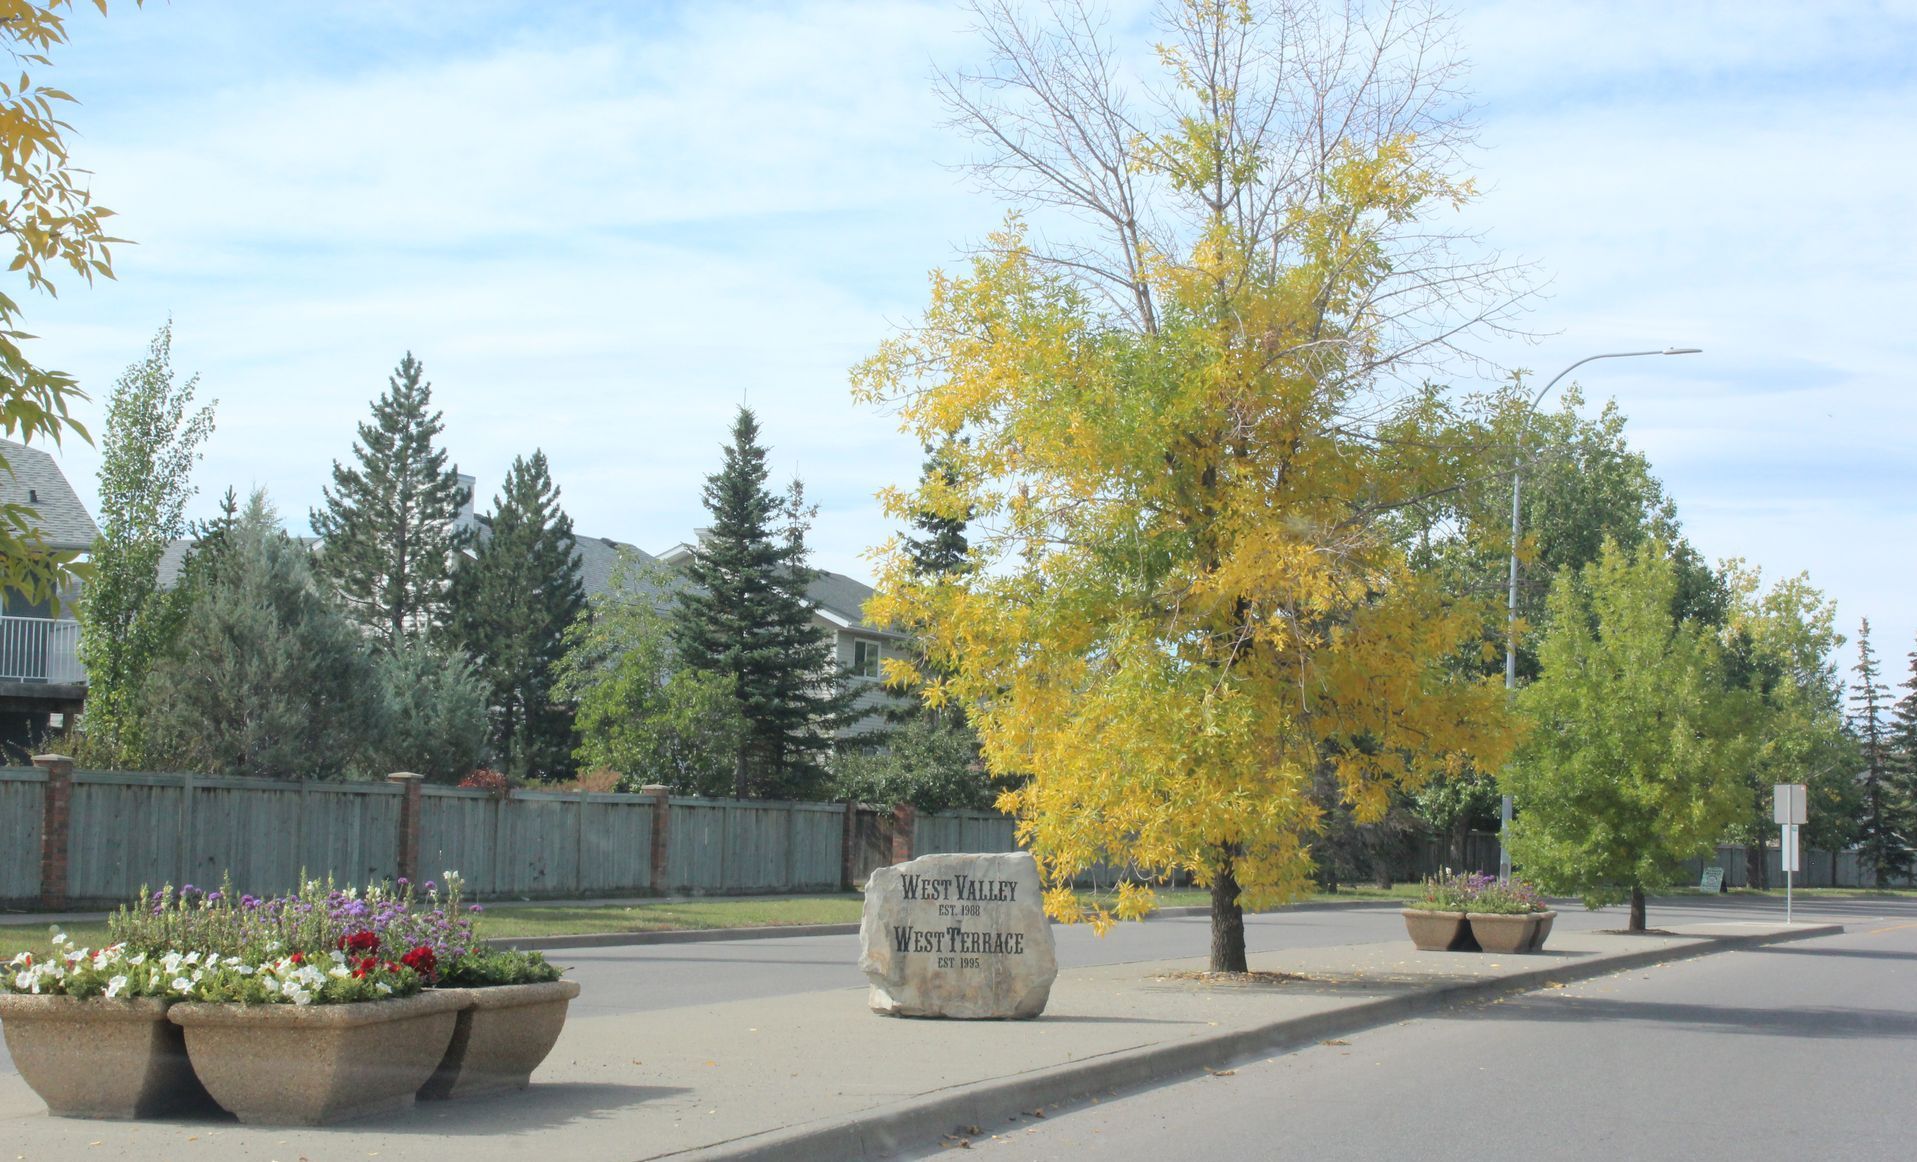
{"type": "Point", "coordinates": [957, 936]}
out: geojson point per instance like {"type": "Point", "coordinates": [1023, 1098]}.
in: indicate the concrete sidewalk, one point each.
{"type": "Point", "coordinates": [819, 1076]}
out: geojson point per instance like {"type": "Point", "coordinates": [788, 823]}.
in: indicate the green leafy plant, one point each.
{"type": "Point", "coordinates": [490, 968]}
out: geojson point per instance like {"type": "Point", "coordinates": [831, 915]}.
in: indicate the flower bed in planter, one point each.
{"type": "Point", "coordinates": [291, 1064]}
{"type": "Point", "coordinates": [1472, 913]}
{"type": "Point", "coordinates": [88, 1032]}
{"type": "Point", "coordinates": [291, 1010]}
{"type": "Point", "coordinates": [502, 1035]}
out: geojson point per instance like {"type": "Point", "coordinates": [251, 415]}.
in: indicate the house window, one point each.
{"type": "Point", "coordinates": [865, 658]}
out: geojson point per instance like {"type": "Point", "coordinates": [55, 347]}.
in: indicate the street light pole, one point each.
{"type": "Point", "coordinates": [1511, 601]}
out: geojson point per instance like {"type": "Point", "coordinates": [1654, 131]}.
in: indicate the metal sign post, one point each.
{"type": "Point", "coordinates": [1790, 810]}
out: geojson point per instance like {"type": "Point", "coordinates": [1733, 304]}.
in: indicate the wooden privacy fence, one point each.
{"type": "Point", "coordinates": [87, 838]}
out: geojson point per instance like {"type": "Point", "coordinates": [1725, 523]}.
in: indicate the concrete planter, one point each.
{"type": "Point", "coordinates": [502, 1035]}
{"type": "Point", "coordinates": [306, 1065]}
{"type": "Point", "coordinates": [1523, 932]}
{"type": "Point", "coordinates": [98, 1058]}
{"type": "Point", "coordinates": [1439, 931]}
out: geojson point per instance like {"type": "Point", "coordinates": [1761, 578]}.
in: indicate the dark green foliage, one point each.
{"type": "Point", "coordinates": [1884, 828]}
{"type": "Point", "coordinates": [388, 525]}
{"type": "Point", "coordinates": [930, 763]}
{"type": "Point", "coordinates": [745, 617]}
{"type": "Point", "coordinates": [938, 546]}
{"type": "Point", "coordinates": [638, 710]}
{"type": "Point", "coordinates": [514, 603]}
{"type": "Point", "coordinates": [433, 715]}
{"type": "Point", "coordinates": [489, 968]}
{"type": "Point", "coordinates": [151, 444]}
{"type": "Point", "coordinates": [264, 677]}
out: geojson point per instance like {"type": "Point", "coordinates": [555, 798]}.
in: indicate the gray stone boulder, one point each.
{"type": "Point", "coordinates": [958, 936]}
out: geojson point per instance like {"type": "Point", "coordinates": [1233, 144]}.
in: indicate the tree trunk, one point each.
{"type": "Point", "coordinates": [739, 773]}
{"type": "Point", "coordinates": [1227, 919]}
{"type": "Point", "coordinates": [1754, 869]}
{"type": "Point", "coordinates": [1460, 837]}
{"type": "Point", "coordinates": [1637, 910]}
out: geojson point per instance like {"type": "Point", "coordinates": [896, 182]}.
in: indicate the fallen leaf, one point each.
{"type": "Point", "coordinates": [1334, 1041]}
{"type": "Point", "coordinates": [1554, 984]}
{"type": "Point", "coordinates": [1220, 1072]}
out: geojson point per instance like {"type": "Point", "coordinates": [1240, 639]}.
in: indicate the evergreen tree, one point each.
{"type": "Point", "coordinates": [515, 601]}
{"type": "Point", "coordinates": [940, 546]}
{"type": "Point", "coordinates": [265, 677]}
{"type": "Point", "coordinates": [433, 717]}
{"type": "Point", "coordinates": [1901, 768]}
{"type": "Point", "coordinates": [146, 465]}
{"type": "Point", "coordinates": [389, 523]}
{"type": "Point", "coordinates": [1883, 835]}
{"type": "Point", "coordinates": [746, 618]}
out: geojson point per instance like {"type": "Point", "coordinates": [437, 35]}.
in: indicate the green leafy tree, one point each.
{"type": "Point", "coordinates": [745, 618]}
{"type": "Point", "coordinates": [152, 441]}
{"type": "Point", "coordinates": [389, 524]}
{"type": "Point", "coordinates": [1883, 830]}
{"type": "Point", "coordinates": [1633, 761]}
{"type": "Point", "coordinates": [932, 763]}
{"type": "Point", "coordinates": [638, 709]}
{"type": "Point", "coordinates": [265, 678]}
{"type": "Point", "coordinates": [515, 601]}
{"type": "Point", "coordinates": [1778, 644]}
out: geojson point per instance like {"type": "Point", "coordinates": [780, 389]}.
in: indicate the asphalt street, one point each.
{"type": "Point", "coordinates": [638, 978]}
{"type": "Point", "coordinates": [1795, 1051]}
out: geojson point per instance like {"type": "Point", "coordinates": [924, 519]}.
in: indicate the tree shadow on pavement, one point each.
{"type": "Point", "coordinates": [1859, 953]}
{"type": "Point", "coordinates": [1819, 1023]}
{"type": "Point", "coordinates": [547, 1105]}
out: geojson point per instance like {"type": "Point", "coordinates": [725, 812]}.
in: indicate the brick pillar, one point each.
{"type": "Point", "coordinates": [408, 823]}
{"type": "Point", "coordinates": [903, 819]}
{"type": "Point", "coordinates": [55, 809]}
{"type": "Point", "coordinates": [661, 837]}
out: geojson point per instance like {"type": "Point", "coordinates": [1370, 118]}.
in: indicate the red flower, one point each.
{"type": "Point", "coordinates": [362, 941]}
{"type": "Point", "coordinates": [422, 961]}
{"type": "Point", "coordinates": [298, 958]}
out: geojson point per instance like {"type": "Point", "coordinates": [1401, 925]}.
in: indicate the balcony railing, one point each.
{"type": "Point", "coordinates": [40, 649]}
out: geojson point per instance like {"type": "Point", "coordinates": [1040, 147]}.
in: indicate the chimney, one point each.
{"type": "Point", "coordinates": [464, 521]}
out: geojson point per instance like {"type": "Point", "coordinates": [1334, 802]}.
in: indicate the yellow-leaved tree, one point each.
{"type": "Point", "coordinates": [47, 209]}
{"type": "Point", "coordinates": [1188, 447]}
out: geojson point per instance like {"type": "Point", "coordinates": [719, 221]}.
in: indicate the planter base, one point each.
{"type": "Point", "coordinates": [293, 1065]}
{"type": "Point", "coordinates": [100, 1058]}
{"type": "Point", "coordinates": [1439, 931]}
{"type": "Point", "coordinates": [502, 1035]}
{"type": "Point", "coordinates": [1513, 933]}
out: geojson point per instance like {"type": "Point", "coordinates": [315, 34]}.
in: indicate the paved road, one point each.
{"type": "Point", "coordinates": [1796, 1051]}
{"type": "Point", "coordinates": [659, 976]}
{"type": "Point", "coordinates": [638, 978]}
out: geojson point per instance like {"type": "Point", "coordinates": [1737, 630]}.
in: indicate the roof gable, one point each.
{"type": "Point", "coordinates": [37, 482]}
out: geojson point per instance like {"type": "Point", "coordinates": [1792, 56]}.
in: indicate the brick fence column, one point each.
{"type": "Point", "coordinates": [55, 811]}
{"type": "Point", "coordinates": [904, 818]}
{"type": "Point", "coordinates": [408, 823]}
{"type": "Point", "coordinates": [661, 837]}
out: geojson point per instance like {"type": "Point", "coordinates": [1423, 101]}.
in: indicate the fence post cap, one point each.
{"type": "Point", "coordinates": [655, 789]}
{"type": "Point", "coordinates": [52, 760]}
{"type": "Point", "coordinates": [403, 777]}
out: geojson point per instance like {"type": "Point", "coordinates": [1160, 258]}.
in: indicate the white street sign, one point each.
{"type": "Point", "coordinates": [1791, 856]}
{"type": "Point", "coordinates": [1790, 803]}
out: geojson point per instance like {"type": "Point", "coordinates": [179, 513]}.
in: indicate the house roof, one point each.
{"type": "Point", "coordinates": [37, 482]}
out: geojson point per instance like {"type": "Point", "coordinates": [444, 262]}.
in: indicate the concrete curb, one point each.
{"type": "Point", "coordinates": [882, 1132]}
{"type": "Point", "coordinates": [775, 931]}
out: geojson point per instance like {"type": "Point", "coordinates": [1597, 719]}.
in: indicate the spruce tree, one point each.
{"type": "Point", "coordinates": [389, 522]}
{"type": "Point", "coordinates": [514, 602]}
{"type": "Point", "coordinates": [146, 465]}
{"type": "Point", "coordinates": [265, 677]}
{"type": "Point", "coordinates": [746, 618]}
{"type": "Point", "coordinates": [1881, 844]}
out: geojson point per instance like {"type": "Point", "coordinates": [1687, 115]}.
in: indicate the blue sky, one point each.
{"type": "Point", "coordinates": [601, 226]}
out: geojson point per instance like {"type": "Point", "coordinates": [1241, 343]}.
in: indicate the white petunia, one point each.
{"type": "Point", "coordinates": [382, 988]}
{"type": "Point", "coordinates": [115, 985]}
{"type": "Point", "coordinates": [182, 984]}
